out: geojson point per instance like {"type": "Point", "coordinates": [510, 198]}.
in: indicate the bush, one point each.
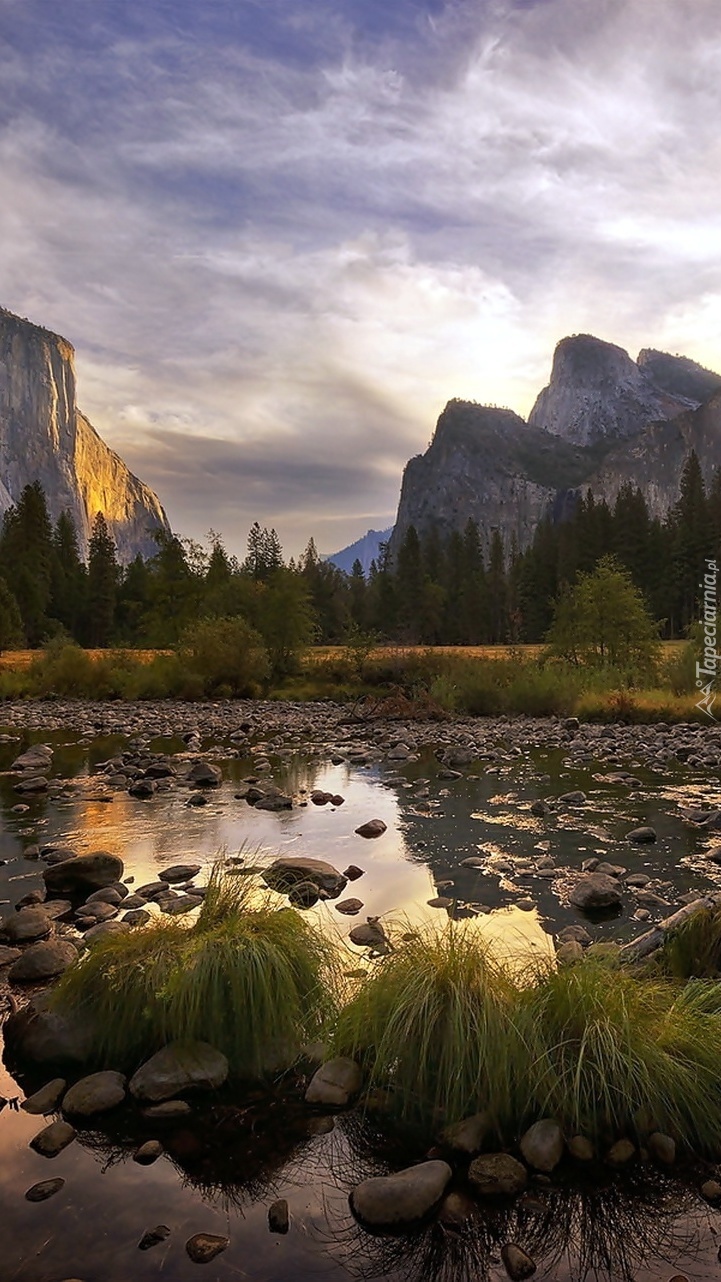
{"type": "Point", "coordinates": [225, 652]}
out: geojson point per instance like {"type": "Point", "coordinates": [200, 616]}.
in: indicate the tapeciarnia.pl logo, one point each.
{"type": "Point", "coordinates": [707, 672]}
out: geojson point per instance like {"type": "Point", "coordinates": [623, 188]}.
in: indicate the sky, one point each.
{"type": "Point", "coordinates": [281, 234]}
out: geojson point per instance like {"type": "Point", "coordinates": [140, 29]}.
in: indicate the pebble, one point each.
{"type": "Point", "coordinates": [203, 1247]}
{"type": "Point", "coordinates": [45, 1189]}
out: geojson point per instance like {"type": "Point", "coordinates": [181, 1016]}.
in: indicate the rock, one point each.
{"type": "Point", "coordinates": [42, 1036]}
{"type": "Point", "coordinates": [47, 1098]}
{"type": "Point", "coordinates": [179, 1067]}
{"type": "Point", "coordinates": [287, 871]}
{"type": "Point", "coordinates": [578, 933]}
{"type": "Point", "coordinates": [403, 1198]}
{"type": "Point", "coordinates": [320, 798]}
{"type": "Point", "coordinates": [456, 1209]}
{"type": "Point", "coordinates": [83, 873]}
{"type": "Point", "coordinates": [497, 1173]}
{"type": "Point", "coordinates": [153, 1237]}
{"type": "Point", "coordinates": [152, 889]}
{"type": "Point", "coordinates": [581, 1148]}
{"type": "Point", "coordinates": [372, 828]}
{"type": "Point", "coordinates": [542, 1145]}
{"type": "Point", "coordinates": [621, 1153]}
{"type": "Point", "coordinates": [29, 923]}
{"type": "Point", "coordinates": [136, 917]}
{"type": "Point", "coordinates": [369, 935]}
{"type": "Point", "coordinates": [278, 1216]}
{"type": "Point", "coordinates": [108, 895]}
{"type": "Point", "coordinates": [662, 1148]}
{"type": "Point", "coordinates": [204, 775]}
{"type": "Point", "coordinates": [711, 1191]}
{"type": "Point", "coordinates": [469, 1135]}
{"type": "Point", "coordinates": [32, 784]}
{"type": "Point", "coordinates": [349, 907]}
{"type": "Point", "coordinates": [569, 953]}
{"type": "Point", "coordinates": [540, 808]}
{"type": "Point", "coordinates": [595, 890]}
{"type": "Point", "coordinates": [304, 894]}
{"type": "Point", "coordinates": [183, 904]}
{"type": "Point", "coordinates": [43, 961]}
{"type": "Point", "coordinates": [96, 912]}
{"type": "Point", "coordinates": [96, 1093]}
{"type": "Point", "coordinates": [53, 1139]}
{"type": "Point", "coordinates": [45, 1189]}
{"type": "Point", "coordinates": [57, 854]}
{"type": "Point", "coordinates": [8, 955]}
{"type": "Point", "coordinates": [275, 800]}
{"type": "Point", "coordinates": [168, 1110]}
{"type": "Point", "coordinates": [518, 1264]}
{"type": "Point", "coordinates": [37, 757]}
{"type": "Point", "coordinates": [641, 835]}
{"type": "Point", "coordinates": [143, 789]}
{"type": "Point", "coordinates": [179, 872]}
{"type": "Point", "coordinates": [55, 908]}
{"type": "Point", "coordinates": [103, 929]}
{"type": "Point", "coordinates": [573, 798]}
{"type": "Point", "coordinates": [440, 901]}
{"type": "Point", "coordinates": [197, 799]}
{"type": "Point", "coordinates": [353, 872]}
{"type": "Point", "coordinates": [334, 1084]}
{"type": "Point", "coordinates": [203, 1247]}
{"type": "Point", "coordinates": [148, 1153]}
{"type": "Point", "coordinates": [473, 861]}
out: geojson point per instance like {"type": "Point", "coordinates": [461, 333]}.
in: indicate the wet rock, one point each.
{"type": "Point", "coordinates": [456, 1209]}
{"type": "Point", "coordinates": [349, 907]}
{"type": "Point", "coordinates": [153, 1237]}
{"type": "Point", "coordinates": [641, 835]}
{"type": "Point", "coordinates": [97, 912]}
{"type": "Point", "coordinates": [542, 1145]}
{"type": "Point", "coordinates": [56, 908]}
{"type": "Point", "coordinates": [581, 1149]}
{"type": "Point", "coordinates": [37, 757]}
{"type": "Point", "coordinates": [43, 961]}
{"type": "Point", "coordinates": [168, 1110]}
{"type": "Point", "coordinates": [287, 871]}
{"type": "Point", "coordinates": [540, 808]}
{"type": "Point", "coordinates": [47, 1098]}
{"type": "Point", "coordinates": [148, 1153]}
{"type": "Point", "coordinates": [57, 854]}
{"type": "Point", "coordinates": [179, 872]}
{"type": "Point", "coordinates": [278, 1216]}
{"type": "Point", "coordinates": [183, 904]}
{"type": "Point", "coordinates": [304, 894]}
{"type": "Point", "coordinates": [179, 1067]}
{"type": "Point", "coordinates": [27, 924]}
{"type": "Point", "coordinates": [578, 933]}
{"type": "Point", "coordinates": [143, 789]}
{"type": "Point", "coordinates": [8, 955]}
{"type": "Point", "coordinates": [372, 828]}
{"type": "Point", "coordinates": [274, 800]}
{"type": "Point", "coordinates": [402, 1198]}
{"type": "Point", "coordinates": [197, 799]}
{"type": "Point", "coordinates": [108, 895]}
{"type": "Point", "coordinates": [32, 784]}
{"type": "Point", "coordinates": [473, 861]}
{"type": "Point", "coordinates": [573, 798]}
{"type": "Point", "coordinates": [369, 935]}
{"type": "Point", "coordinates": [53, 1139]}
{"type": "Point", "coordinates": [45, 1189]}
{"type": "Point", "coordinates": [137, 917]}
{"type": "Point", "coordinates": [594, 891]}
{"type": "Point", "coordinates": [96, 1093]}
{"type": "Point", "coordinates": [662, 1148]}
{"type": "Point", "coordinates": [517, 1263]}
{"type": "Point", "coordinates": [353, 872]}
{"type": "Point", "coordinates": [711, 1191]}
{"type": "Point", "coordinates": [496, 1174]}
{"type": "Point", "coordinates": [104, 928]}
{"type": "Point", "coordinates": [204, 775]}
{"type": "Point", "coordinates": [621, 1153]}
{"type": "Point", "coordinates": [203, 1247]}
{"type": "Point", "coordinates": [440, 901]}
{"type": "Point", "coordinates": [335, 1084]}
{"type": "Point", "coordinates": [469, 1135]}
{"type": "Point", "coordinates": [152, 889]}
{"type": "Point", "coordinates": [569, 953]}
{"type": "Point", "coordinates": [83, 873]}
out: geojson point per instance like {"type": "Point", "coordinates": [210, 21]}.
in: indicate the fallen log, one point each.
{"type": "Point", "coordinates": [654, 938]}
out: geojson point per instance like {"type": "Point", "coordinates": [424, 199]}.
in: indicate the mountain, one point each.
{"type": "Point", "coordinates": [44, 437]}
{"type": "Point", "coordinates": [364, 550]}
{"type": "Point", "coordinates": [603, 419]}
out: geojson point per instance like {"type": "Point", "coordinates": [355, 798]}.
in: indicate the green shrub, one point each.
{"type": "Point", "coordinates": [225, 652]}
{"type": "Point", "coordinates": [63, 669]}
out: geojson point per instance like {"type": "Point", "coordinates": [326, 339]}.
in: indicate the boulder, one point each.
{"type": "Point", "coordinates": [662, 1148]}
{"type": "Point", "coordinates": [581, 1148]}
{"type": "Point", "coordinates": [45, 1189]}
{"type": "Point", "coordinates": [641, 835]}
{"type": "Point", "coordinates": [179, 1067]}
{"type": "Point", "coordinates": [469, 1135]}
{"type": "Point", "coordinates": [29, 923]}
{"type": "Point", "coordinates": [203, 1247]}
{"type": "Point", "coordinates": [43, 961]}
{"type": "Point", "coordinates": [148, 1153]}
{"type": "Point", "coordinates": [372, 828]}
{"type": "Point", "coordinates": [47, 1098]}
{"type": "Point", "coordinates": [403, 1198]}
{"type": "Point", "coordinates": [274, 800]}
{"type": "Point", "coordinates": [53, 1139]}
{"type": "Point", "coordinates": [96, 1093]}
{"type": "Point", "coordinates": [542, 1145]}
{"type": "Point", "coordinates": [304, 894]}
{"type": "Point", "coordinates": [517, 1262]}
{"type": "Point", "coordinates": [31, 784]}
{"type": "Point", "coordinates": [8, 955]}
{"type": "Point", "coordinates": [103, 929]}
{"type": "Point", "coordinates": [335, 1083]}
{"type": "Point", "coordinates": [496, 1174]}
{"type": "Point", "coordinates": [290, 869]}
{"type": "Point", "coordinates": [39, 1035]}
{"type": "Point", "coordinates": [621, 1153]}
{"type": "Point", "coordinates": [37, 757]}
{"type": "Point", "coordinates": [143, 789]}
{"type": "Point", "coordinates": [204, 775]}
{"type": "Point", "coordinates": [179, 872]}
{"type": "Point", "coordinates": [83, 873]}
{"type": "Point", "coordinates": [596, 890]}
{"type": "Point", "coordinates": [278, 1216]}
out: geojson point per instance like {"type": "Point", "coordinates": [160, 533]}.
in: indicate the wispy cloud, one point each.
{"type": "Point", "coordinates": [282, 235]}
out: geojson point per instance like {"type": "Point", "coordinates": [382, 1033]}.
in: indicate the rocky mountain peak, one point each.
{"type": "Point", "coordinates": [597, 392]}
{"type": "Point", "coordinates": [679, 375]}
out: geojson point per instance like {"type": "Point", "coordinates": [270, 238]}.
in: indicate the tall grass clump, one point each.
{"type": "Point", "coordinates": [254, 981]}
{"type": "Point", "coordinates": [611, 1055]}
{"type": "Point", "coordinates": [434, 1025]}
{"type": "Point", "coordinates": [693, 950]}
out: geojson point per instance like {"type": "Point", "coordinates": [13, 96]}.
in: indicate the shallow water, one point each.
{"type": "Point", "coordinates": [232, 1159]}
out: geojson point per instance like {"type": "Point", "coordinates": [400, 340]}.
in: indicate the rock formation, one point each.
{"type": "Point", "coordinates": [603, 420]}
{"type": "Point", "coordinates": [44, 437]}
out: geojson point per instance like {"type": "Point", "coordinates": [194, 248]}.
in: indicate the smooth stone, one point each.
{"type": "Point", "coordinates": [279, 1216]}
{"type": "Point", "coordinates": [184, 904]}
{"type": "Point", "coordinates": [8, 955]}
{"type": "Point", "coordinates": [152, 889]}
{"type": "Point", "coordinates": [103, 929]}
{"type": "Point", "coordinates": [148, 1153]}
{"type": "Point", "coordinates": [137, 917]}
{"type": "Point", "coordinates": [43, 961]}
{"type": "Point", "coordinates": [53, 1139]}
{"type": "Point", "coordinates": [45, 1189]}
{"type": "Point", "coordinates": [349, 907]}
{"type": "Point", "coordinates": [84, 873]}
{"type": "Point", "coordinates": [542, 1145]}
{"type": "Point", "coordinates": [497, 1173]}
{"type": "Point", "coordinates": [25, 925]}
{"type": "Point", "coordinates": [353, 872]}
{"type": "Point", "coordinates": [45, 1036]}
{"type": "Point", "coordinates": [179, 1067]}
{"type": "Point", "coordinates": [456, 1209]}
{"type": "Point", "coordinates": [97, 912]}
{"type": "Point", "coordinates": [581, 1148]}
{"type": "Point", "coordinates": [469, 1135]}
{"type": "Point", "coordinates": [372, 828]}
{"type": "Point", "coordinates": [203, 1247]}
{"type": "Point", "coordinates": [621, 1153]}
{"type": "Point", "coordinates": [108, 895]}
{"type": "Point", "coordinates": [95, 1093]}
{"type": "Point", "coordinates": [179, 872]}
{"type": "Point", "coordinates": [402, 1198]}
{"type": "Point", "coordinates": [168, 1110]}
{"type": "Point", "coordinates": [334, 1084]}
{"type": "Point", "coordinates": [662, 1148]}
{"type": "Point", "coordinates": [711, 1191]}
{"type": "Point", "coordinates": [569, 953]}
{"type": "Point", "coordinates": [641, 835]}
{"type": "Point", "coordinates": [153, 1237]}
{"type": "Point", "coordinates": [518, 1264]}
{"type": "Point", "coordinates": [595, 890]}
{"type": "Point", "coordinates": [369, 935]}
{"type": "Point", "coordinates": [304, 894]}
{"type": "Point", "coordinates": [47, 1098]}
{"type": "Point", "coordinates": [204, 775]}
{"type": "Point", "coordinates": [54, 908]}
{"type": "Point", "coordinates": [286, 872]}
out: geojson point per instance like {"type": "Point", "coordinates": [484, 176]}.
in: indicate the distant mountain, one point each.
{"type": "Point", "coordinates": [603, 419]}
{"type": "Point", "coordinates": [364, 550]}
{"type": "Point", "coordinates": [44, 437]}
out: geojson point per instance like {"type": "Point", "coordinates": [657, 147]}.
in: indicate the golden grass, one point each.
{"type": "Point", "coordinates": [19, 660]}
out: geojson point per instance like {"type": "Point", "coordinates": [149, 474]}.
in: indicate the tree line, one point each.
{"type": "Point", "coordinates": [435, 591]}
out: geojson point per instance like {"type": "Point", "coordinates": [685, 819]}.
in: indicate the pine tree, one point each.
{"type": "Point", "coordinates": [26, 551]}
{"type": "Point", "coordinates": [68, 578]}
{"type": "Point", "coordinates": [497, 589]}
{"type": "Point", "coordinates": [12, 636]}
{"type": "Point", "coordinates": [692, 542]}
{"type": "Point", "coordinates": [102, 584]}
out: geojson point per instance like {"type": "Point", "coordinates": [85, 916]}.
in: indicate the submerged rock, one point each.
{"type": "Point", "coordinates": [179, 1067]}
{"type": "Point", "coordinates": [372, 828]}
{"type": "Point", "coordinates": [334, 1084]}
{"type": "Point", "coordinates": [278, 1216]}
{"type": "Point", "coordinates": [518, 1263]}
{"type": "Point", "coordinates": [45, 1189]}
{"type": "Point", "coordinates": [596, 890]}
{"type": "Point", "coordinates": [203, 1247]}
{"type": "Point", "coordinates": [47, 1098]}
{"type": "Point", "coordinates": [53, 1139]}
{"type": "Point", "coordinates": [290, 869]}
{"type": "Point", "coordinates": [403, 1198]}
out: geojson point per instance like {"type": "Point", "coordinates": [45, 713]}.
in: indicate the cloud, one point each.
{"type": "Point", "coordinates": [292, 232]}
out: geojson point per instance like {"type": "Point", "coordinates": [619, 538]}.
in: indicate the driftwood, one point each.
{"type": "Point", "coordinates": [654, 938]}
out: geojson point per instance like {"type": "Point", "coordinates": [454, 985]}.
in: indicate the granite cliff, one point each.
{"type": "Point", "coordinates": [44, 437]}
{"type": "Point", "coordinates": [603, 420]}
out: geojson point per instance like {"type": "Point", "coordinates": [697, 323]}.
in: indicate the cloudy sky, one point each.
{"type": "Point", "coordinates": [281, 234]}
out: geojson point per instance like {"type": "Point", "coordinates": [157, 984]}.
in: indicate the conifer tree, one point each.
{"type": "Point", "coordinates": [26, 552]}
{"type": "Point", "coordinates": [102, 584]}
{"type": "Point", "coordinates": [68, 577]}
